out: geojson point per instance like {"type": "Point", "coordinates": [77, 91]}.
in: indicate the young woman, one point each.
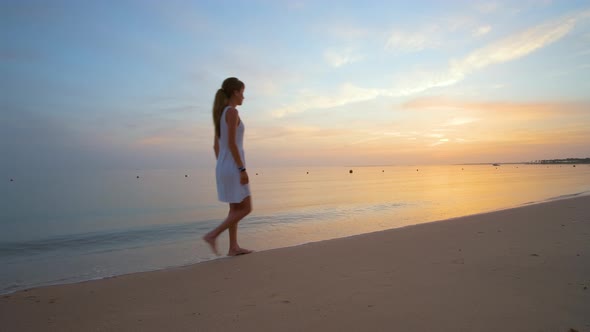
{"type": "Point", "coordinates": [231, 175]}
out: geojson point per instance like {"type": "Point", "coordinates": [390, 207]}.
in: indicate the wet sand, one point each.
{"type": "Point", "coordinates": [522, 269]}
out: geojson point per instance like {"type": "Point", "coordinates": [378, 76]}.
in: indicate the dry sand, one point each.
{"type": "Point", "coordinates": [523, 269]}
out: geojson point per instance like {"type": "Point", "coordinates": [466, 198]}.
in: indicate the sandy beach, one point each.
{"type": "Point", "coordinates": [522, 269]}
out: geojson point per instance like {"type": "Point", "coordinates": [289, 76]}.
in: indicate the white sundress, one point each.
{"type": "Point", "coordinates": [227, 174]}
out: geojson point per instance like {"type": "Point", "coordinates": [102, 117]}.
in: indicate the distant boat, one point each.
{"type": "Point", "coordinates": [495, 164]}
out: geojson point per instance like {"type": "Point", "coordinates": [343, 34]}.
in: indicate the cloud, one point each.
{"type": "Point", "coordinates": [482, 30]}
{"type": "Point", "coordinates": [403, 41]}
{"type": "Point", "coordinates": [338, 59]}
{"type": "Point", "coordinates": [526, 112]}
{"type": "Point", "coordinates": [487, 7]}
{"type": "Point", "coordinates": [347, 93]}
{"type": "Point", "coordinates": [536, 108]}
{"type": "Point", "coordinates": [504, 50]}
{"type": "Point", "coordinates": [516, 46]}
{"type": "Point", "coordinates": [440, 141]}
{"type": "Point", "coordinates": [432, 35]}
{"type": "Point", "coordinates": [492, 126]}
{"type": "Point", "coordinates": [459, 121]}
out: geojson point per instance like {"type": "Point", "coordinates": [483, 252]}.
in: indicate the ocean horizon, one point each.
{"type": "Point", "coordinates": [65, 228]}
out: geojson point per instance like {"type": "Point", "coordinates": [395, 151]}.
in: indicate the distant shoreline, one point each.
{"type": "Point", "coordinates": [563, 161]}
{"type": "Point", "coordinates": [567, 161]}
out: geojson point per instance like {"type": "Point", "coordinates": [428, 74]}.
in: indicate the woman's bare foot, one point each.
{"type": "Point", "coordinates": [239, 251]}
{"type": "Point", "coordinates": [212, 243]}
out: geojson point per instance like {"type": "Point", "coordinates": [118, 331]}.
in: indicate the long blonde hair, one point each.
{"type": "Point", "coordinates": [229, 86]}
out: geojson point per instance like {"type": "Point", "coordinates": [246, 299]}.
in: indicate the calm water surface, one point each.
{"type": "Point", "coordinates": [68, 228]}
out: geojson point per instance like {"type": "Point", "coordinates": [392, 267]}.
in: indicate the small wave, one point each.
{"type": "Point", "coordinates": [314, 215]}
{"type": "Point", "coordinates": [100, 241]}
{"type": "Point", "coordinates": [556, 198]}
{"type": "Point", "coordinates": [13, 288]}
{"type": "Point", "coordinates": [114, 240]}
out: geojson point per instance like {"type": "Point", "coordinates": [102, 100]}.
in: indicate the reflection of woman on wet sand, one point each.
{"type": "Point", "coordinates": [231, 175]}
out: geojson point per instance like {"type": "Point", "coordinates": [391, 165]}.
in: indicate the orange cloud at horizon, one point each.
{"type": "Point", "coordinates": [424, 130]}
{"type": "Point", "coordinates": [443, 130]}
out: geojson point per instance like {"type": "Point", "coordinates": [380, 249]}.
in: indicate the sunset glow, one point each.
{"type": "Point", "coordinates": [110, 84]}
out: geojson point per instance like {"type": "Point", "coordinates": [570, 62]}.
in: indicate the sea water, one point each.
{"type": "Point", "coordinates": [61, 228]}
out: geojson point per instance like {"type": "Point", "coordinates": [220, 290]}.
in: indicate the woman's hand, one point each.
{"type": "Point", "coordinates": [244, 178]}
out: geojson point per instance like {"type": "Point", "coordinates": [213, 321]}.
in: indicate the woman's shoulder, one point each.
{"type": "Point", "coordinates": [230, 110]}
{"type": "Point", "coordinates": [231, 114]}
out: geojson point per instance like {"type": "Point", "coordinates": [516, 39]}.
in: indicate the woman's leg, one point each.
{"type": "Point", "coordinates": [237, 211]}
{"type": "Point", "coordinates": [244, 208]}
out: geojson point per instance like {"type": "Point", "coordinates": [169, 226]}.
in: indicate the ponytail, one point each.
{"type": "Point", "coordinates": [218, 104]}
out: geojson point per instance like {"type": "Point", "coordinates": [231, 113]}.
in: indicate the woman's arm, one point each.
{"type": "Point", "coordinates": [216, 146]}
{"type": "Point", "coordinates": [233, 120]}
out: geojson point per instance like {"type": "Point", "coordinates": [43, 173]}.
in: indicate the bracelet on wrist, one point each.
{"type": "Point", "coordinates": [242, 169]}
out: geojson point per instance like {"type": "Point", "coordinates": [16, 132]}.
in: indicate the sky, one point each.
{"type": "Point", "coordinates": [130, 84]}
